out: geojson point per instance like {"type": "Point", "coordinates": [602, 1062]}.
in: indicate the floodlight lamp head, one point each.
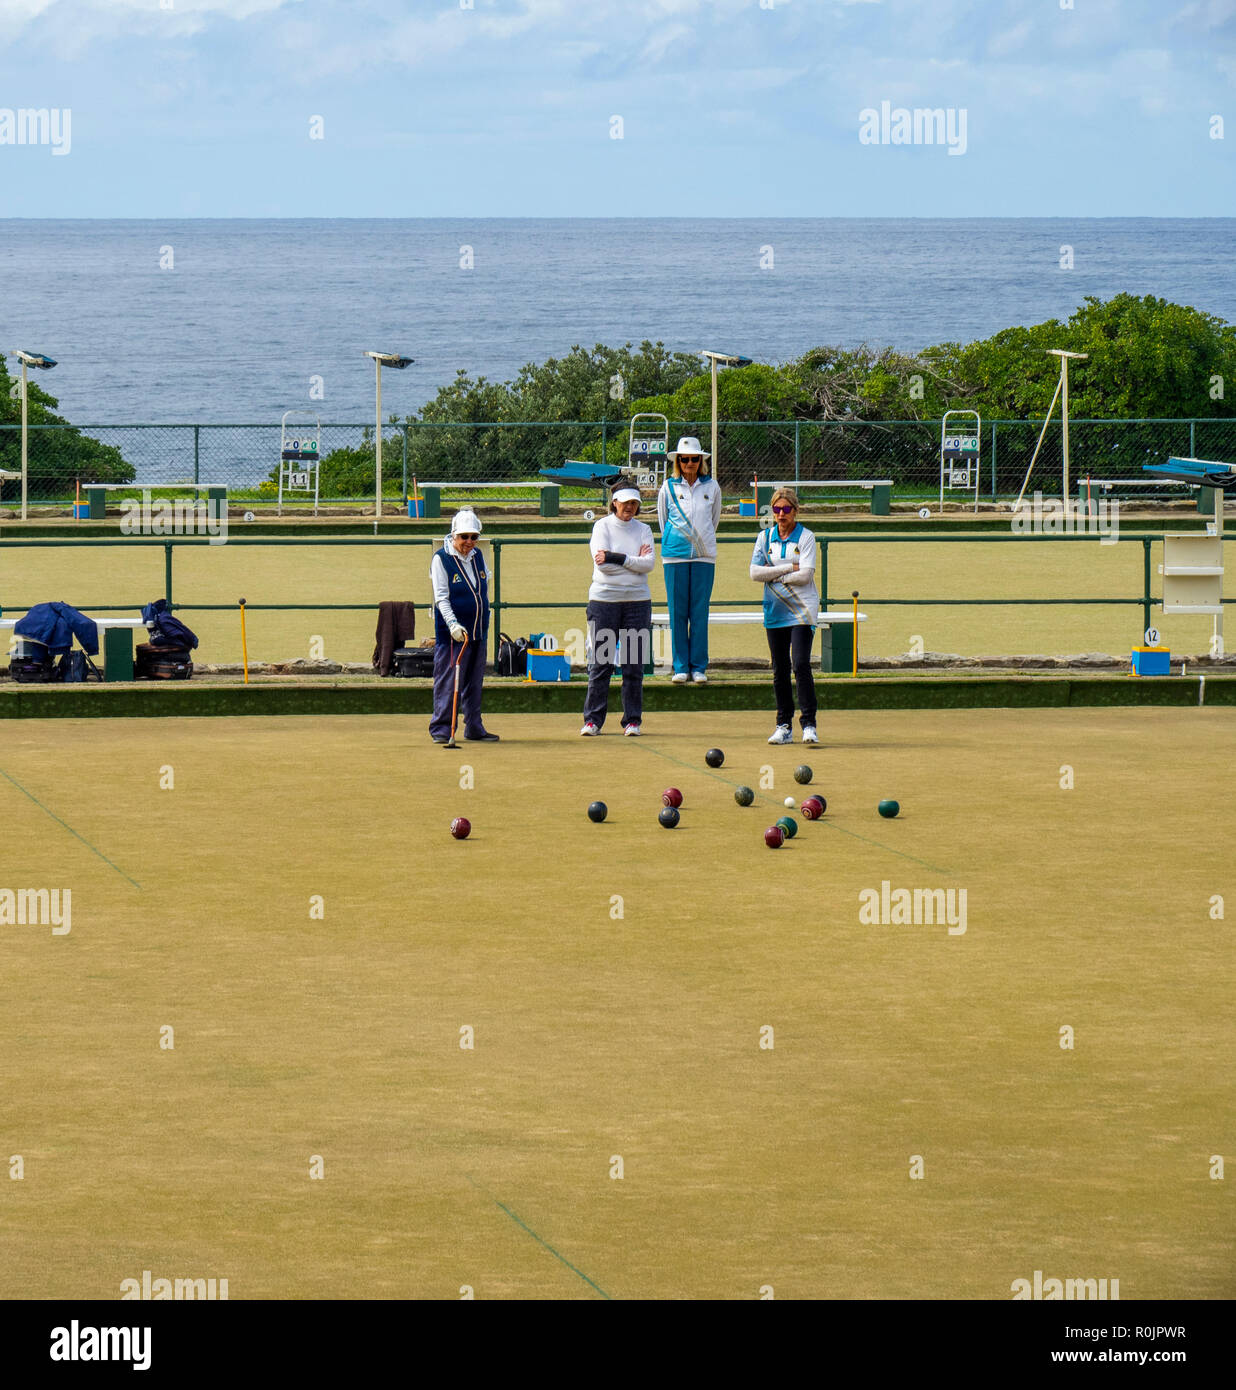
{"type": "Point", "coordinates": [391, 359]}
{"type": "Point", "coordinates": [34, 359]}
{"type": "Point", "coordinates": [727, 359]}
{"type": "Point", "coordinates": [1060, 352]}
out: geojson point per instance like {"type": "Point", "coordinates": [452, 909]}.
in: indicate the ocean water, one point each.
{"type": "Point", "coordinates": [252, 311]}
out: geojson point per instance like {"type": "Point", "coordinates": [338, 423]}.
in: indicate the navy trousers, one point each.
{"type": "Point", "coordinates": [471, 676]}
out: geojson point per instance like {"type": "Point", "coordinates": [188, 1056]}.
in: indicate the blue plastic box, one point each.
{"type": "Point", "coordinates": [548, 666]}
{"type": "Point", "coordinates": [1152, 661]}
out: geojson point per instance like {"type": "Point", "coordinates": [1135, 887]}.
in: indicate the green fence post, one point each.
{"type": "Point", "coordinates": [1192, 439]}
{"type": "Point", "coordinates": [405, 466]}
{"type": "Point", "coordinates": [197, 429]}
{"type": "Point", "coordinates": [167, 572]}
{"type": "Point", "coordinates": [495, 606]}
{"type": "Point", "coordinates": [995, 430]}
{"type": "Point", "coordinates": [822, 547]}
{"type": "Point", "coordinates": [1146, 597]}
{"type": "Point", "coordinates": [796, 454]}
{"type": "Point", "coordinates": [603, 434]}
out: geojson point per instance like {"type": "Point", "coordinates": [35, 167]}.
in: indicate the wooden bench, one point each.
{"type": "Point", "coordinates": [1087, 487]}
{"type": "Point", "coordinates": [836, 649]}
{"type": "Point", "coordinates": [96, 493]}
{"type": "Point", "coordinates": [430, 495]}
{"type": "Point", "coordinates": [881, 490]}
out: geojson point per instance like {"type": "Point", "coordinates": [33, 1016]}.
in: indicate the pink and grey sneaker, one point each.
{"type": "Point", "coordinates": [631, 730]}
{"type": "Point", "coordinates": [589, 730]}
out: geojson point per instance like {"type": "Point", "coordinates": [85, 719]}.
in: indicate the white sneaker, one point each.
{"type": "Point", "coordinates": [680, 678]}
{"type": "Point", "coordinates": [589, 730]}
{"type": "Point", "coordinates": [784, 734]}
{"type": "Point", "coordinates": [699, 678]}
{"type": "Point", "coordinates": [809, 734]}
{"type": "Point", "coordinates": [631, 731]}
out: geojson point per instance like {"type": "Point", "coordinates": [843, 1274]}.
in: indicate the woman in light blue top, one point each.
{"type": "Point", "coordinates": [784, 562]}
{"type": "Point", "coordinates": [689, 508]}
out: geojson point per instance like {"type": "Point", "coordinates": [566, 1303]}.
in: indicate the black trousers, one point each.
{"type": "Point", "coordinates": [791, 650]}
{"type": "Point", "coordinates": [621, 640]}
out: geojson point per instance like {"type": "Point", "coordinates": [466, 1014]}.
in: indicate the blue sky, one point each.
{"type": "Point", "coordinates": [729, 108]}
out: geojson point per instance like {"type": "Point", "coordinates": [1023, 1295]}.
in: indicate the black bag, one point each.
{"type": "Point", "coordinates": [76, 666]}
{"type": "Point", "coordinates": [412, 661]}
{"type": "Point", "coordinates": [30, 663]}
{"type": "Point", "coordinates": [512, 655]}
{"type": "Point", "coordinates": [163, 663]}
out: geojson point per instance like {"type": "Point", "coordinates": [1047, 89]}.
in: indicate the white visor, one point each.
{"type": "Point", "coordinates": [626, 494]}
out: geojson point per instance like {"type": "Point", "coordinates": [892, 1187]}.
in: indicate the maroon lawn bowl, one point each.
{"type": "Point", "coordinates": [813, 808]}
{"type": "Point", "coordinates": [774, 837]}
{"type": "Point", "coordinates": [671, 796]}
{"type": "Point", "coordinates": [461, 828]}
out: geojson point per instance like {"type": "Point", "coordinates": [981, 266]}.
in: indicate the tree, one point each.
{"type": "Point", "coordinates": [1148, 359]}
{"type": "Point", "coordinates": [59, 457]}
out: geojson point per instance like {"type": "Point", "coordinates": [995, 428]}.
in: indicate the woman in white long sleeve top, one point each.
{"type": "Point", "coordinates": [784, 562]}
{"type": "Point", "coordinates": [619, 611]}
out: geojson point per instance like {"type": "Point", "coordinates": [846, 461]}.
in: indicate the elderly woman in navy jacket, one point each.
{"type": "Point", "coordinates": [461, 626]}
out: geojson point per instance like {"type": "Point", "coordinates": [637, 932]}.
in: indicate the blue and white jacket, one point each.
{"type": "Point", "coordinates": [689, 518]}
{"type": "Point", "coordinates": [791, 598]}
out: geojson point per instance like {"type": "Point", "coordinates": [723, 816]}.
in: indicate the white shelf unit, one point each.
{"type": "Point", "coordinates": [1192, 571]}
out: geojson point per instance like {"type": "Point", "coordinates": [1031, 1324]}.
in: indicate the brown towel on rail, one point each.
{"type": "Point", "coordinates": [396, 625]}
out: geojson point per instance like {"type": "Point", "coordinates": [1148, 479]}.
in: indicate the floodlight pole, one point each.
{"type": "Point", "coordinates": [729, 360]}
{"type": "Point", "coordinates": [714, 417]}
{"type": "Point", "coordinates": [392, 359]}
{"type": "Point", "coordinates": [25, 392]}
{"type": "Point", "coordinates": [377, 487]}
{"type": "Point", "coordinates": [27, 359]}
{"type": "Point", "coordinates": [1064, 406]}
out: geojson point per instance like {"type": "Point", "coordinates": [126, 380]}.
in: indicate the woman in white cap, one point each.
{"type": "Point", "coordinates": [784, 562]}
{"type": "Point", "coordinates": [461, 626]}
{"type": "Point", "coordinates": [689, 508]}
{"type": "Point", "coordinates": [619, 611]}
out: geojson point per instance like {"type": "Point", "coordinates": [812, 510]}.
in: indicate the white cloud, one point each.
{"type": "Point", "coordinates": [15, 15]}
{"type": "Point", "coordinates": [71, 27]}
{"type": "Point", "coordinates": [1009, 42]}
{"type": "Point", "coordinates": [661, 40]}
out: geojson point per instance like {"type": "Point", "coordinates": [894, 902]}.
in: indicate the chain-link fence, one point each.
{"type": "Point", "coordinates": [246, 457]}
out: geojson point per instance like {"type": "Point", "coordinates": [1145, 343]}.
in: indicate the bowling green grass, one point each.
{"type": "Point", "coordinates": [533, 573]}
{"type": "Point", "coordinates": [616, 980]}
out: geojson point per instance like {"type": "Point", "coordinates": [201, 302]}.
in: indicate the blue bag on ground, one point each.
{"type": "Point", "coordinates": [77, 666]}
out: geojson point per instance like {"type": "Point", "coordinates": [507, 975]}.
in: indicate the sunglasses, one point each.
{"type": "Point", "coordinates": [467, 536]}
{"type": "Point", "coordinates": [780, 511]}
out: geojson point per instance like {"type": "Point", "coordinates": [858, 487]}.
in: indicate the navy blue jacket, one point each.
{"type": "Point", "coordinates": [470, 606]}
{"type": "Point", "coordinates": [56, 624]}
